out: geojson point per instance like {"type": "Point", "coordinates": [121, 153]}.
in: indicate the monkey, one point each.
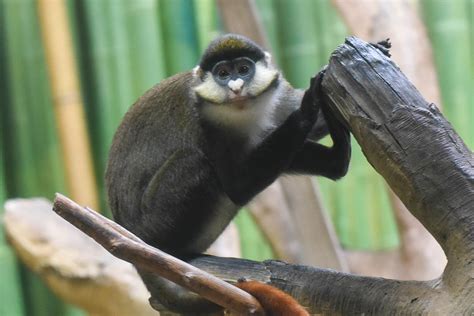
{"type": "Point", "coordinates": [201, 144]}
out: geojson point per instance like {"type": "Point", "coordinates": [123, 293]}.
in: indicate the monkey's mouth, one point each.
{"type": "Point", "coordinates": [238, 98]}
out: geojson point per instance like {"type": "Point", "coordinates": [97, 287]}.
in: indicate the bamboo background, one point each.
{"type": "Point", "coordinates": [124, 47]}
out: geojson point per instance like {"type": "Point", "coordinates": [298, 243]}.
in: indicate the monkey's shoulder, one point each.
{"type": "Point", "coordinates": [171, 95]}
{"type": "Point", "coordinates": [168, 108]}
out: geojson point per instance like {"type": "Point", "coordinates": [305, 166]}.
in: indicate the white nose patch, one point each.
{"type": "Point", "coordinates": [236, 85]}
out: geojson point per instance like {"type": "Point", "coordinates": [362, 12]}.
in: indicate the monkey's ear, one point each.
{"type": "Point", "coordinates": [197, 71]}
{"type": "Point", "coordinates": [268, 58]}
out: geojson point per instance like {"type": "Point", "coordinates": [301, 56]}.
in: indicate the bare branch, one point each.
{"type": "Point", "coordinates": [128, 247]}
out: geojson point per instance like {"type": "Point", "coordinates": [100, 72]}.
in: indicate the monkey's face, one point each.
{"type": "Point", "coordinates": [236, 80]}
{"type": "Point", "coordinates": [232, 74]}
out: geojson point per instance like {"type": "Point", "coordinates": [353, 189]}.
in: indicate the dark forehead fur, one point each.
{"type": "Point", "coordinates": [228, 47]}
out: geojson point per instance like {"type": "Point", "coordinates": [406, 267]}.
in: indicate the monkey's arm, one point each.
{"type": "Point", "coordinates": [244, 174]}
{"type": "Point", "coordinates": [317, 159]}
{"type": "Point", "coordinates": [320, 128]}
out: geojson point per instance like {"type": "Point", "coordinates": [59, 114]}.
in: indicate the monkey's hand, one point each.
{"type": "Point", "coordinates": [310, 104]}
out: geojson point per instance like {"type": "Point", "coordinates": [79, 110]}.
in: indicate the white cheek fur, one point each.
{"type": "Point", "coordinates": [210, 91]}
{"type": "Point", "coordinates": [263, 78]}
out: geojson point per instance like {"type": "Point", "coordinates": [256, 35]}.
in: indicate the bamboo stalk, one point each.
{"type": "Point", "coordinates": [67, 100]}
{"type": "Point", "coordinates": [206, 22]}
{"type": "Point", "coordinates": [145, 44]}
{"type": "Point", "coordinates": [33, 159]}
{"type": "Point", "coordinates": [10, 287]}
{"type": "Point", "coordinates": [267, 13]}
{"type": "Point", "coordinates": [179, 33]}
{"type": "Point", "coordinates": [448, 27]}
{"type": "Point", "coordinates": [298, 40]}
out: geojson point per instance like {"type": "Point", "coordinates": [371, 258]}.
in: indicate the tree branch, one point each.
{"type": "Point", "coordinates": [124, 245]}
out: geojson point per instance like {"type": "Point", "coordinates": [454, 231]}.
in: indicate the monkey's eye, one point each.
{"type": "Point", "coordinates": [223, 73]}
{"type": "Point", "coordinates": [243, 69]}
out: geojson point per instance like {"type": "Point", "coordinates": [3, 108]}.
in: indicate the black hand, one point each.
{"type": "Point", "coordinates": [312, 99]}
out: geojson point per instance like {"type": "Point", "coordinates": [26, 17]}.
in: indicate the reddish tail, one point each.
{"type": "Point", "coordinates": [274, 301]}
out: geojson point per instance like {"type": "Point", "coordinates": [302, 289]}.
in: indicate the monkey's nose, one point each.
{"type": "Point", "coordinates": [236, 85]}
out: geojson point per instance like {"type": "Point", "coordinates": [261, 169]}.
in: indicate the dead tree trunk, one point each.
{"type": "Point", "coordinates": [415, 149]}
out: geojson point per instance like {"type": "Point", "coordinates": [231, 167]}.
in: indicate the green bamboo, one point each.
{"type": "Point", "coordinates": [450, 33]}
{"type": "Point", "coordinates": [11, 299]}
{"type": "Point", "coordinates": [208, 28]}
{"type": "Point", "coordinates": [470, 6]}
{"type": "Point", "coordinates": [146, 45]}
{"type": "Point", "coordinates": [298, 40]}
{"type": "Point", "coordinates": [178, 26]}
{"type": "Point", "coordinates": [253, 243]}
{"type": "Point", "coordinates": [267, 13]}
{"type": "Point", "coordinates": [33, 156]}
{"type": "Point", "coordinates": [120, 51]}
{"type": "Point", "coordinates": [331, 31]}
{"type": "Point", "coordinates": [123, 58]}
{"type": "Point", "coordinates": [102, 103]}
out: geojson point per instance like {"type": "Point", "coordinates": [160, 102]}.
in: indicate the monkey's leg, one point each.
{"type": "Point", "coordinates": [166, 295]}
{"type": "Point", "coordinates": [179, 217]}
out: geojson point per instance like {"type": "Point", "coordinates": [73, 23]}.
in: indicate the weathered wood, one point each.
{"type": "Point", "coordinates": [408, 141]}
